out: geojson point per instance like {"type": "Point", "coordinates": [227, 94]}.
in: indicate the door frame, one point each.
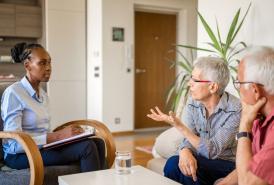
{"type": "Point", "coordinates": [181, 31]}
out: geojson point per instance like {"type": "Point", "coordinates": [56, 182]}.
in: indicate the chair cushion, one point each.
{"type": "Point", "coordinates": [11, 177]}
{"type": "Point", "coordinates": [22, 177]}
{"type": "Point", "coordinates": [52, 173]}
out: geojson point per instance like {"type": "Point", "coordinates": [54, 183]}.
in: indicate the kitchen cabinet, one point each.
{"type": "Point", "coordinates": [20, 21]}
{"type": "Point", "coordinates": [7, 20]}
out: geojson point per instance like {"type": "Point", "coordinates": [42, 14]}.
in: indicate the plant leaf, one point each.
{"type": "Point", "coordinates": [179, 94]}
{"type": "Point", "coordinates": [236, 50]}
{"type": "Point", "coordinates": [210, 33]}
{"type": "Point", "coordinates": [219, 37]}
{"type": "Point", "coordinates": [185, 67]}
{"type": "Point", "coordinates": [232, 30]}
{"type": "Point", "coordinates": [240, 25]}
{"type": "Point", "coordinates": [195, 48]}
{"type": "Point", "coordinates": [176, 90]}
{"type": "Point", "coordinates": [233, 69]}
{"type": "Point", "coordinates": [184, 57]}
{"type": "Point", "coordinates": [174, 86]}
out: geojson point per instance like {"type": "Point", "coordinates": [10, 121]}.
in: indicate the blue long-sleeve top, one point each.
{"type": "Point", "coordinates": [23, 110]}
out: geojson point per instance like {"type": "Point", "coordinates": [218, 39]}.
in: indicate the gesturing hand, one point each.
{"type": "Point", "coordinates": [158, 115]}
{"type": "Point", "coordinates": [188, 163]}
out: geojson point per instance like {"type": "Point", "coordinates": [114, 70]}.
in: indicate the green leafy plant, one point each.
{"type": "Point", "coordinates": [223, 48]}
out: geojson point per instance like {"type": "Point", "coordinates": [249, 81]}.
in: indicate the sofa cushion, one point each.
{"type": "Point", "coordinates": [168, 142]}
{"type": "Point", "coordinates": [157, 165]}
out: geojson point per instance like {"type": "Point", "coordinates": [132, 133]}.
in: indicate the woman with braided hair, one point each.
{"type": "Point", "coordinates": [25, 107]}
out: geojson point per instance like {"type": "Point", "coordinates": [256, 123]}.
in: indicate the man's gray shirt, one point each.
{"type": "Point", "coordinates": [217, 132]}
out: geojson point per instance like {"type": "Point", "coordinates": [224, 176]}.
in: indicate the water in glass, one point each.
{"type": "Point", "coordinates": [123, 162]}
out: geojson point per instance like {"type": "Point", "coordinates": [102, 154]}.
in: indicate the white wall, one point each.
{"type": "Point", "coordinates": [257, 29]}
{"type": "Point", "coordinates": [111, 95]}
{"type": "Point", "coordinates": [65, 35]}
{"type": "Point", "coordinates": [94, 55]}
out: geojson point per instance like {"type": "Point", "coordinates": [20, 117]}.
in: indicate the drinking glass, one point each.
{"type": "Point", "coordinates": [123, 162]}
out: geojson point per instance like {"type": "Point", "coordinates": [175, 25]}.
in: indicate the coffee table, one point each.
{"type": "Point", "coordinates": [138, 176]}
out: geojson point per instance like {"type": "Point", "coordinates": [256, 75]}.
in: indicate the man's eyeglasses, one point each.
{"type": "Point", "coordinates": [237, 84]}
{"type": "Point", "coordinates": [199, 81]}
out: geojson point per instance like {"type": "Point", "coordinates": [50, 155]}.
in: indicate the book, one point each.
{"type": "Point", "coordinates": [86, 134]}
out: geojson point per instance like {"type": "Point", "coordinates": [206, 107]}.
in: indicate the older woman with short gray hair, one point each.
{"type": "Point", "coordinates": [214, 69]}
{"type": "Point", "coordinates": [209, 123]}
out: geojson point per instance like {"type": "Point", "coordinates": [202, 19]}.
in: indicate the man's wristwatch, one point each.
{"type": "Point", "coordinates": [244, 134]}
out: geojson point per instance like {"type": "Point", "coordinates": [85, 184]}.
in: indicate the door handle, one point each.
{"type": "Point", "coordinates": [137, 71]}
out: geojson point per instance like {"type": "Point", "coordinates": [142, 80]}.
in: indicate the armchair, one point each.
{"type": "Point", "coordinates": [34, 157]}
{"type": "Point", "coordinates": [37, 174]}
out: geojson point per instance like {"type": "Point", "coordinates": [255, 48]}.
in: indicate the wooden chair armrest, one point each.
{"type": "Point", "coordinates": [33, 154]}
{"type": "Point", "coordinates": [101, 131]}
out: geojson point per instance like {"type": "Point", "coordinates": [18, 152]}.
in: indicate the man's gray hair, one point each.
{"type": "Point", "coordinates": [214, 69]}
{"type": "Point", "coordinates": [259, 66]}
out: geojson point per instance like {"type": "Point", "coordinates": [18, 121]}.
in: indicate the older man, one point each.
{"type": "Point", "coordinates": [255, 150]}
{"type": "Point", "coordinates": [255, 158]}
{"type": "Point", "coordinates": [209, 123]}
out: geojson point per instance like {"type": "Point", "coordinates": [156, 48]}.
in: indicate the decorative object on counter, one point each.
{"type": "Point", "coordinates": [10, 76]}
{"type": "Point", "coordinates": [5, 59]}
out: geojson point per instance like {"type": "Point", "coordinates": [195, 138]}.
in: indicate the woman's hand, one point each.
{"type": "Point", "coordinates": [66, 132]}
{"type": "Point", "coordinates": [158, 115]}
{"type": "Point", "coordinates": [188, 163]}
{"type": "Point", "coordinates": [70, 131]}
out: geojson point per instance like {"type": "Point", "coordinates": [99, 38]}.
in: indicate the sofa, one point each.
{"type": "Point", "coordinates": [166, 145]}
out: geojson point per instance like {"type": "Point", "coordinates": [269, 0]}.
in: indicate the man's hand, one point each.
{"type": "Point", "coordinates": [188, 163]}
{"type": "Point", "coordinates": [158, 115]}
{"type": "Point", "coordinates": [64, 133]}
{"type": "Point", "coordinates": [249, 114]}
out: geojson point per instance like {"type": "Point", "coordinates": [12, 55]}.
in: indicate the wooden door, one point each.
{"type": "Point", "coordinates": [155, 36]}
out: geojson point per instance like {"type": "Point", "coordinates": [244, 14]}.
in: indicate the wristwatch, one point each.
{"type": "Point", "coordinates": [244, 134]}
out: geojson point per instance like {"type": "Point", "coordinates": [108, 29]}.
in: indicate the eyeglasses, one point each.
{"type": "Point", "coordinates": [237, 84]}
{"type": "Point", "coordinates": [199, 81]}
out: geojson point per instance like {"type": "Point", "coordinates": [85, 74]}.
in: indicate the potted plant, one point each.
{"type": "Point", "coordinates": [225, 49]}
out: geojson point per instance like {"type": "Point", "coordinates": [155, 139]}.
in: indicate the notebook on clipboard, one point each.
{"type": "Point", "coordinates": [88, 133]}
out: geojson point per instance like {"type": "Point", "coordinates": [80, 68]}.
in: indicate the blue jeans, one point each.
{"type": "Point", "coordinates": [90, 153]}
{"type": "Point", "coordinates": [207, 173]}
